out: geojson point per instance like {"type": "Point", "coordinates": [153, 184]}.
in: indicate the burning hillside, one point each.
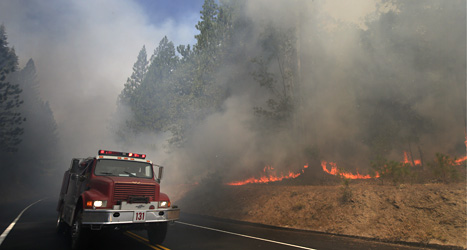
{"type": "Point", "coordinates": [270, 174]}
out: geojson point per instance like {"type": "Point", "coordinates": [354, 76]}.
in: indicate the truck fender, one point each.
{"type": "Point", "coordinates": [92, 195]}
{"type": "Point", "coordinates": [163, 197]}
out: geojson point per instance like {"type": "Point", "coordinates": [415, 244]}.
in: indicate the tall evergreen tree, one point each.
{"type": "Point", "coordinates": [140, 69]}
{"type": "Point", "coordinates": [151, 107]}
{"type": "Point", "coordinates": [40, 139]}
{"type": "Point", "coordinates": [10, 118]}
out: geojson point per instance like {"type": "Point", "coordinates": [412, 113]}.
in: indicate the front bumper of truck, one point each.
{"type": "Point", "coordinates": [124, 216]}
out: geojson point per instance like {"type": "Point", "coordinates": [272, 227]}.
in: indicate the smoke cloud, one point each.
{"type": "Point", "coordinates": [84, 51]}
{"type": "Point", "coordinates": [353, 55]}
{"type": "Point", "coordinates": [365, 67]}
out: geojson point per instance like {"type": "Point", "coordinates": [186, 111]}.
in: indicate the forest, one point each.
{"type": "Point", "coordinates": [269, 84]}
{"type": "Point", "coordinates": [29, 142]}
{"type": "Point", "coordinates": [291, 87]}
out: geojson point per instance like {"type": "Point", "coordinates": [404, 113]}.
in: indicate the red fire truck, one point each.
{"type": "Point", "coordinates": [116, 191]}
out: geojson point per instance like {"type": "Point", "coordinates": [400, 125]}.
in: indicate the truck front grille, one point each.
{"type": "Point", "coordinates": [123, 191]}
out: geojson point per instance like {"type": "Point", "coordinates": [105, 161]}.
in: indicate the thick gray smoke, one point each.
{"type": "Point", "coordinates": [84, 51]}
{"type": "Point", "coordinates": [353, 55]}
{"type": "Point", "coordinates": [360, 61]}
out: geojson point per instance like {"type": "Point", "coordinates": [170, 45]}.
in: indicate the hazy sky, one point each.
{"type": "Point", "coordinates": [84, 51]}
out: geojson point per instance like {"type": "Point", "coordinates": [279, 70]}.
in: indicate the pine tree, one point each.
{"type": "Point", "coordinates": [140, 69]}
{"type": "Point", "coordinates": [10, 118]}
{"type": "Point", "coordinates": [39, 146]}
{"type": "Point", "coordinates": [151, 109]}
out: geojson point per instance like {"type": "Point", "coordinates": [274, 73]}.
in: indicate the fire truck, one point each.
{"type": "Point", "coordinates": [113, 191]}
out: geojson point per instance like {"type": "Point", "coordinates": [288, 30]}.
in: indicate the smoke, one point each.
{"type": "Point", "coordinates": [370, 70]}
{"type": "Point", "coordinates": [84, 52]}
{"type": "Point", "coordinates": [355, 57]}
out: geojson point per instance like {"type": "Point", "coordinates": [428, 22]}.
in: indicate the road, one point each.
{"type": "Point", "coordinates": [35, 229]}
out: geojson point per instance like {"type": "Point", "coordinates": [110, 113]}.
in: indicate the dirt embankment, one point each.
{"type": "Point", "coordinates": [422, 213]}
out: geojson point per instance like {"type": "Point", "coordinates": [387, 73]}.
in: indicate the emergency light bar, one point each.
{"type": "Point", "coordinates": [115, 153]}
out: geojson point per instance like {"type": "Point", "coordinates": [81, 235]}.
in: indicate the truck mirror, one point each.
{"type": "Point", "coordinates": [161, 170]}
{"type": "Point", "coordinates": [159, 175]}
{"type": "Point", "coordinates": [75, 163]}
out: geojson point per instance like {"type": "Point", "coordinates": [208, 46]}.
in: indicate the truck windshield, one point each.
{"type": "Point", "coordinates": [123, 169]}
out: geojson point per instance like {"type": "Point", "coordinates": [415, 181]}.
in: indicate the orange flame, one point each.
{"type": "Point", "coordinates": [335, 171]}
{"type": "Point", "coordinates": [270, 177]}
{"type": "Point", "coordinates": [461, 160]}
{"type": "Point", "coordinates": [406, 161]}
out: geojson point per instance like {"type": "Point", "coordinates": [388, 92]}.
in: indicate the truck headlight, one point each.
{"type": "Point", "coordinates": [164, 203]}
{"type": "Point", "coordinates": [99, 204]}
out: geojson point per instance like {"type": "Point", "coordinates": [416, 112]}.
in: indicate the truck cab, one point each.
{"type": "Point", "coordinates": [113, 191]}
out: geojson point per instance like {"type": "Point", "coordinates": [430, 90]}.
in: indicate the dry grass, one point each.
{"type": "Point", "coordinates": [425, 213]}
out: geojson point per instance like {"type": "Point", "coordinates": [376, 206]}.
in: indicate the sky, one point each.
{"type": "Point", "coordinates": [159, 11]}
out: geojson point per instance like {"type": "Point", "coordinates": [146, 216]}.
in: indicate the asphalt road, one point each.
{"type": "Point", "coordinates": [35, 229]}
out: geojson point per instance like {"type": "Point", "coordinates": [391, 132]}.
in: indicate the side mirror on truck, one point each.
{"type": "Point", "coordinates": [160, 172]}
{"type": "Point", "coordinates": [75, 165]}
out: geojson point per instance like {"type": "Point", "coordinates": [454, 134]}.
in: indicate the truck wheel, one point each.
{"type": "Point", "coordinates": [61, 225]}
{"type": "Point", "coordinates": [157, 232]}
{"type": "Point", "coordinates": [79, 235]}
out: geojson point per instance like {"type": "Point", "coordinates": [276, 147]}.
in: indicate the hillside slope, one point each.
{"type": "Point", "coordinates": [423, 213]}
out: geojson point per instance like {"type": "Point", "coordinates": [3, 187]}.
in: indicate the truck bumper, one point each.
{"type": "Point", "coordinates": [111, 217]}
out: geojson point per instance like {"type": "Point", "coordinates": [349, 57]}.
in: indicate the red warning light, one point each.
{"type": "Point", "coordinates": [115, 153]}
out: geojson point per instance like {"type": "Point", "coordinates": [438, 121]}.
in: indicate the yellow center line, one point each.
{"type": "Point", "coordinates": [144, 241]}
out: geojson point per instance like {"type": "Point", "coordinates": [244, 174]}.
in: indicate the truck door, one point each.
{"type": "Point", "coordinates": [74, 188]}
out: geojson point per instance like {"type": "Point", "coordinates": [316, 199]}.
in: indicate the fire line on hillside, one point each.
{"type": "Point", "coordinates": [270, 174]}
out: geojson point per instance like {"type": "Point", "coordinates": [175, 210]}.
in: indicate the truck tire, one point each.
{"type": "Point", "coordinates": [157, 232]}
{"type": "Point", "coordinates": [79, 235]}
{"type": "Point", "coordinates": [61, 225]}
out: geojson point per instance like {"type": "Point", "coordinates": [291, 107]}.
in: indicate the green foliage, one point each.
{"type": "Point", "coordinates": [176, 92]}
{"type": "Point", "coordinates": [140, 68]}
{"type": "Point", "coordinates": [396, 172]}
{"type": "Point", "coordinates": [10, 101]}
{"type": "Point", "coordinates": [276, 72]}
{"type": "Point", "coordinates": [444, 168]}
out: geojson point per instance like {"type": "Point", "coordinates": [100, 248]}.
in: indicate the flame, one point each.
{"type": "Point", "coordinates": [406, 160]}
{"type": "Point", "coordinates": [335, 171]}
{"type": "Point", "coordinates": [460, 161]}
{"type": "Point", "coordinates": [271, 176]}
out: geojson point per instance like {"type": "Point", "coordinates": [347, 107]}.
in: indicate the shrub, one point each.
{"type": "Point", "coordinates": [397, 172]}
{"type": "Point", "coordinates": [444, 168]}
{"type": "Point", "coordinates": [346, 192]}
